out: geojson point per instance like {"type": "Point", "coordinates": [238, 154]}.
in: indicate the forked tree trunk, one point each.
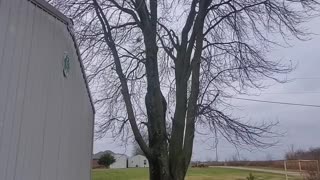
{"type": "Point", "coordinates": [161, 165]}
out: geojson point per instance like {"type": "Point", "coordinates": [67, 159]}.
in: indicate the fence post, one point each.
{"type": "Point", "coordinates": [285, 168]}
{"type": "Point", "coordinates": [300, 167]}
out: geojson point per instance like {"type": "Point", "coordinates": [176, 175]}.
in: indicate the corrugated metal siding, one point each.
{"type": "Point", "coordinates": [121, 161]}
{"type": "Point", "coordinates": [138, 161]}
{"type": "Point", "coordinates": [46, 120]}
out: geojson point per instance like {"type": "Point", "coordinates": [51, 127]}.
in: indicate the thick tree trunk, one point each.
{"type": "Point", "coordinates": [159, 169]}
{"type": "Point", "coordinates": [179, 174]}
{"type": "Point", "coordinates": [159, 159]}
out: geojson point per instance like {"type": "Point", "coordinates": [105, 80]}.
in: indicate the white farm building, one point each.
{"type": "Point", "coordinates": [46, 112]}
{"type": "Point", "coordinates": [138, 161]}
{"type": "Point", "coordinates": [121, 161]}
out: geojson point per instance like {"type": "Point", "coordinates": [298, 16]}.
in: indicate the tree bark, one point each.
{"type": "Point", "coordinates": [159, 169]}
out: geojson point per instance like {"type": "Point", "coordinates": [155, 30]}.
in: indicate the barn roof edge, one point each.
{"type": "Point", "coordinates": [52, 10]}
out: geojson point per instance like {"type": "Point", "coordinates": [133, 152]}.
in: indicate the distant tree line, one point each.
{"type": "Point", "coordinates": [310, 154]}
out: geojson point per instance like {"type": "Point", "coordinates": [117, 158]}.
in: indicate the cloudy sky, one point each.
{"type": "Point", "coordinates": [300, 125]}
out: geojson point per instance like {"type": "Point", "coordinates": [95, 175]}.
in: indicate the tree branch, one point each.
{"type": "Point", "coordinates": [125, 92]}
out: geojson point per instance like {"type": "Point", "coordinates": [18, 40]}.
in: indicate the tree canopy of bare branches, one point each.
{"type": "Point", "coordinates": [166, 66]}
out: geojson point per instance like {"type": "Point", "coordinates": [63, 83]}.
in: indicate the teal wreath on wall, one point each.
{"type": "Point", "coordinates": [66, 65]}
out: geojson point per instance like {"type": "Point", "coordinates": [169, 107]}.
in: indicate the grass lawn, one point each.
{"type": "Point", "coordinates": [193, 174]}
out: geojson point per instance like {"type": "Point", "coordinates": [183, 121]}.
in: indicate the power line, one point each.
{"type": "Point", "coordinates": [305, 78]}
{"type": "Point", "coordinates": [277, 102]}
{"type": "Point", "coordinates": [305, 92]}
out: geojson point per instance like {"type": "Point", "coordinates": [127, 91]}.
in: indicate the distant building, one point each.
{"type": "Point", "coordinates": [95, 164]}
{"type": "Point", "coordinates": [138, 161]}
{"type": "Point", "coordinates": [121, 161]}
{"type": "Point", "coordinates": [96, 157]}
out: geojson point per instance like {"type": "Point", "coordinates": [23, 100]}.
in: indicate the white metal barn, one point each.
{"type": "Point", "coordinates": [138, 161]}
{"type": "Point", "coordinates": [46, 113]}
{"type": "Point", "coordinates": [121, 161]}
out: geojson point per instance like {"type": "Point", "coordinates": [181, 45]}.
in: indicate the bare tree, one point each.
{"type": "Point", "coordinates": [170, 64]}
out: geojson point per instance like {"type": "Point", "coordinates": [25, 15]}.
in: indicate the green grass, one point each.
{"type": "Point", "coordinates": [193, 174]}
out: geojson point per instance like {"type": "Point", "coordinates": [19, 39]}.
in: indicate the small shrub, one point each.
{"type": "Point", "coordinates": [251, 177]}
{"type": "Point", "coordinates": [202, 166]}
{"type": "Point", "coordinates": [106, 160]}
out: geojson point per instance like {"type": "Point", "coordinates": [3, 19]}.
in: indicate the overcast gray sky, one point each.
{"type": "Point", "coordinates": [300, 125]}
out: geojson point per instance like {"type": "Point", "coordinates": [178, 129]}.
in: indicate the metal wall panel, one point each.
{"type": "Point", "coordinates": [46, 120]}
